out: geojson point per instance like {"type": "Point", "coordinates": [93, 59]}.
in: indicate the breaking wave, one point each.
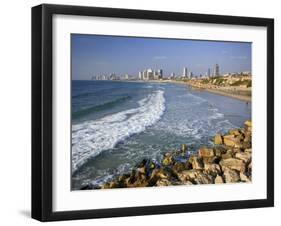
{"type": "Point", "coordinates": [92, 137]}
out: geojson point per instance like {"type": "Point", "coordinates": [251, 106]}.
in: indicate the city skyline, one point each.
{"type": "Point", "coordinates": [94, 55]}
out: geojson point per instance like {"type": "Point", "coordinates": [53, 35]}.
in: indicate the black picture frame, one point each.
{"type": "Point", "coordinates": [42, 111]}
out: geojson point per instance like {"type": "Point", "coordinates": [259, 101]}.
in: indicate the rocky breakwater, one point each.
{"type": "Point", "coordinates": [229, 160]}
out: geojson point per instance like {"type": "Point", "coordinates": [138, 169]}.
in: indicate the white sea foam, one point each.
{"type": "Point", "coordinates": [198, 118]}
{"type": "Point", "coordinates": [92, 137]}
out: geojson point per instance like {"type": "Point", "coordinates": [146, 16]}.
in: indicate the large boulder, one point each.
{"type": "Point", "coordinates": [231, 176]}
{"type": "Point", "coordinates": [196, 162]}
{"type": "Point", "coordinates": [219, 150]}
{"type": "Point", "coordinates": [233, 163]}
{"type": "Point", "coordinates": [218, 139]}
{"type": "Point", "coordinates": [229, 154]}
{"type": "Point", "coordinates": [219, 180]}
{"type": "Point", "coordinates": [187, 175]}
{"type": "Point", "coordinates": [231, 141]}
{"type": "Point", "coordinates": [248, 123]}
{"type": "Point", "coordinates": [168, 159]}
{"type": "Point", "coordinates": [211, 160]}
{"type": "Point", "coordinates": [180, 166]}
{"type": "Point", "coordinates": [195, 176]}
{"type": "Point", "coordinates": [235, 132]}
{"type": "Point", "coordinates": [249, 150]}
{"type": "Point", "coordinates": [183, 148]}
{"type": "Point", "coordinates": [245, 156]}
{"type": "Point", "coordinates": [206, 152]}
{"type": "Point", "coordinates": [212, 169]}
{"type": "Point", "coordinates": [244, 177]}
{"type": "Point", "coordinates": [163, 182]}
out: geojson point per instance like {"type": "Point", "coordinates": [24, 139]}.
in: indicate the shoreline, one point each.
{"type": "Point", "coordinates": [235, 96]}
{"type": "Point", "coordinates": [214, 91]}
{"type": "Point", "coordinates": [228, 160]}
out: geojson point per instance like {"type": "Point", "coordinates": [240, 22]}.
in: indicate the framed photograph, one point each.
{"type": "Point", "coordinates": [145, 112]}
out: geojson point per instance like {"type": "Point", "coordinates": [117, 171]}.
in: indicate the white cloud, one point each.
{"type": "Point", "coordinates": [160, 58]}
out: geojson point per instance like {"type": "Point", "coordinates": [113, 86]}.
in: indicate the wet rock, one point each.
{"type": "Point", "coordinates": [167, 160]}
{"type": "Point", "coordinates": [233, 163]}
{"type": "Point", "coordinates": [114, 184]}
{"type": "Point", "coordinates": [183, 148]}
{"type": "Point", "coordinates": [141, 170]}
{"type": "Point", "coordinates": [142, 163]}
{"type": "Point", "coordinates": [105, 185]}
{"type": "Point", "coordinates": [90, 187]}
{"type": "Point", "coordinates": [206, 152]}
{"type": "Point", "coordinates": [231, 176]}
{"type": "Point", "coordinates": [245, 156]}
{"type": "Point", "coordinates": [219, 180]}
{"type": "Point", "coordinates": [218, 139]}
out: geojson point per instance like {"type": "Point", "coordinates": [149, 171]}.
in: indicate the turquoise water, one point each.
{"type": "Point", "coordinates": [117, 124]}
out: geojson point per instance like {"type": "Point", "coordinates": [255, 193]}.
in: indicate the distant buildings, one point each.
{"type": "Point", "coordinates": [190, 75]}
{"type": "Point", "coordinates": [140, 75]}
{"type": "Point", "coordinates": [209, 72]}
{"type": "Point", "coordinates": [216, 70]}
{"type": "Point", "coordinates": [150, 74]}
{"type": "Point", "coordinates": [185, 72]}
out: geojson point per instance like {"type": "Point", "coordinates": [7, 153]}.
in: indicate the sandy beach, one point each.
{"type": "Point", "coordinates": [216, 91]}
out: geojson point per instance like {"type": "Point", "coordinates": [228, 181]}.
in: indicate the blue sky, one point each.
{"type": "Point", "coordinates": [97, 54]}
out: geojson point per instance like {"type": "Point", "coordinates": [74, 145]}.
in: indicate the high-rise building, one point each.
{"type": "Point", "coordinates": [150, 74]}
{"type": "Point", "coordinates": [140, 75]}
{"type": "Point", "coordinates": [190, 75]}
{"type": "Point", "coordinates": [160, 73]}
{"type": "Point", "coordinates": [216, 70]}
{"type": "Point", "coordinates": [209, 72]}
{"type": "Point", "coordinates": [185, 72]}
{"type": "Point", "coordinates": [112, 76]}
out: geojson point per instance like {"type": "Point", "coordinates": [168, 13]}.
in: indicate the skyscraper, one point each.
{"type": "Point", "coordinates": [140, 75]}
{"type": "Point", "coordinates": [160, 73]}
{"type": "Point", "coordinates": [185, 72]}
{"type": "Point", "coordinates": [150, 74]}
{"type": "Point", "coordinates": [209, 72]}
{"type": "Point", "coordinates": [216, 70]}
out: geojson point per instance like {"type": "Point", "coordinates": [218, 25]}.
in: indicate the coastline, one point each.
{"type": "Point", "coordinates": [228, 160]}
{"type": "Point", "coordinates": [216, 91]}
{"type": "Point", "coordinates": [211, 90]}
{"type": "Point", "coordinates": [235, 96]}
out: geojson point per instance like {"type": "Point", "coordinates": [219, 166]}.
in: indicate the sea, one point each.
{"type": "Point", "coordinates": [116, 124]}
